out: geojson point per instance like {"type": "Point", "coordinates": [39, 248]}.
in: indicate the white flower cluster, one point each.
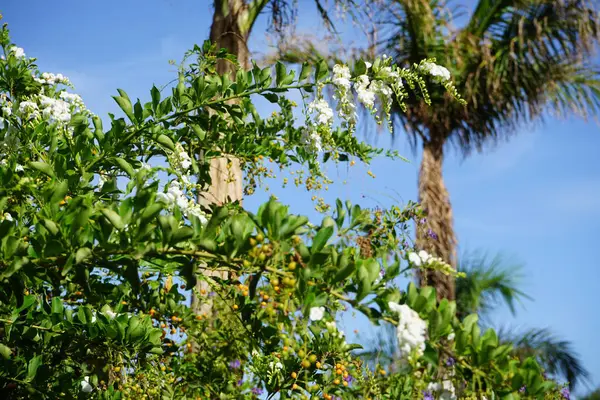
{"type": "Point", "coordinates": [443, 391]}
{"type": "Point", "coordinates": [17, 52]}
{"type": "Point", "coordinates": [436, 71]}
{"type": "Point", "coordinates": [312, 139]}
{"type": "Point", "coordinates": [343, 93]}
{"type": "Point", "coordinates": [55, 110]}
{"type": "Point", "coordinates": [411, 331]}
{"type": "Point", "coordinates": [176, 197]}
{"type": "Point", "coordinates": [48, 78]}
{"type": "Point", "coordinates": [324, 113]}
{"type": "Point", "coordinates": [424, 258]}
{"type": "Point", "coordinates": [180, 159]}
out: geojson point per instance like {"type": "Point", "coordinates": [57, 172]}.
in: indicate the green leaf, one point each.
{"type": "Point", "coordinates": [272, 97]}
{"type": "Point", "coordinates": [125, 166]}
{"type": "Point", "coordinates": [33, 366]}
{"type": "Point", "coordinates": [360, 68]}
{"type": "Point", "coordinates": [5, 351]}
{"type": "Point", "coordinates": [151, 211]}
{"type": "Point", "coordinates": [166, 141]}
{"type": "Point", "coordinates": [280, 73]}
{"type": "Point", "coordinates": [125, 103]}
{"type": "Point", "coordinates": [114, 218]}
{"type": "Point", "coordinates": [51, 226]}
{"type": "Point", "coordinates": [364, 281]}
{"type": "Point", "coordinates": [305, 71]}
{"type": "Point", "coordinates": [346, 268]}
{"type": "Point", "coordinates": [182, 234]}
{"type": "Point", "coordinates": [155, 93]}
{"type": "Point", "coordinates": [321, 239]}
{"type": "Point", "coordinates": [42, 167]}
{"type": "Point", "coordinates": [135, 330]}
{"type": "Point", "coordinates": [28, 301]}
{"type": "Point", "coordinates": [57, 306]}
{"type": "Point", "coordinates": [200, 133]}
{"type": "Point", "coordinates": [82, 254]}
{"type": "Point", "coordinates": [60, 190]}
{"type": "Point", "coordinates": [321, 70]}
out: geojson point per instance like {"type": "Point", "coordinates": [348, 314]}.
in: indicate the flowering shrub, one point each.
{"type": "Point", "coordinates": [95, 277]}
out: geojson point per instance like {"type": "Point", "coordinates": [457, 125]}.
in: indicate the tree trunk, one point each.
{"type": "Point", "coordinates": [225, 172]}
{"type": "Point", "coordinates": [436, 234]}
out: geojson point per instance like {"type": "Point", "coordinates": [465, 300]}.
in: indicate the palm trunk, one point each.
{"type": "Point", "coordinates": [436, 234]}
{"type": "Point", "coordinates": [225, 172]}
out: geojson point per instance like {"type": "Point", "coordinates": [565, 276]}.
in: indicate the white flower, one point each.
{"type": "Point", "coordinates": [85, 385]}
{"type": "Point", "coordinates": [19, 168]}
{"type": "Point", "coordinates": [425, 257]}
{"type": "Point", "coordinates": [311, 139]}
{"type": "Point", "coordinates": [324, 112]}
{"type": "Point", "coordinates": [317, 313]}
{"type": "Point", "coordinates": [8, 217]}
{"type": "Point", "coordinates": [18, 52]}
{"type": "Point", "coordinates": [436, 70]}
{"type": "Point", "coordinates": [55, 110]}
{"type": "Point", "coordinates": [27, 107]}
{"type": "Point", "coordinates": [411, 331]}
{"type": "Point", "coordinates": [341, 76]}
{"type": "Point", "coordinates": [451, 336]}
{"type": "Point", "coordinates": [7, 110]}
{"type": "Point", "coordinates": [368, 64]}
{"type": "Point", "coordinates": [181, 159]}
{"type": "Point", "coordinates": [414, 258]}
{"type": "Point", "coordinates": [365, 95]}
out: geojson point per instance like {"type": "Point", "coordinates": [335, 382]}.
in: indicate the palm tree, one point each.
{"type": "Point", "coordinates": [512, 61]}
{"type": "Point", "coordinates": [487, 284]}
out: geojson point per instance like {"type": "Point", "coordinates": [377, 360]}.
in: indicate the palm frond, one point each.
{"type": "Point", "coordinates": [555, 355]}
{"type": "Point", "coordinates": [488, 283]}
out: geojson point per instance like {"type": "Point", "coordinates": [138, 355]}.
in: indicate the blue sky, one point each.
{"type": "Point", "coordinates": [535, 198]}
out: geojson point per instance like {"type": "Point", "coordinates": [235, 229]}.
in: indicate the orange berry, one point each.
{"type": "Point", "coordinates": [336, 381]}
{"type": "Point", "coordinates": [235, 307]}
{"type": "Point", "coordinates": [294, 375]}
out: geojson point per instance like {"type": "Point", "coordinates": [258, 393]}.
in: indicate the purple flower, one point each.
{"type": "Point", "coordinates": [450, 362]}
{"type": "Point", "coordinates": [381, 272]}
{"type": "Point", "coordinates": [349, 378]}
{"type": "Point", "coordinates": [522, 390]}
{"type": "Point", "coordinates": [565, 393]}
{"type": "Point", "coordinates": [432, 234]}
{"type": "Point", "coordinates": [240, 382]}
{"type": "Point", "coordinates": [212, 294]}
{"type": "Point", "coordinates": [257, 391]}
{"type": "Point", "coordinates": [423, 221]}
{"type": "Point", "coordinates": [235, 364]}
{"type": "Point", "coordinates": [427, 395]}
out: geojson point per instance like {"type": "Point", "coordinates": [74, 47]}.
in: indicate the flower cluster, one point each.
{"type": "Point", "coordinates": [48, 78]}
{"type": "Point", "coordinates": [18, 52]}
{"type": "Point", "coordinates": [424, 259]}
{"type": "Point", "coordinates": [175, 197]}
{"type": "Point", "coordinates": [436, 71]}
{"type": "Point", "coordinates": [411, 331]}
{"type": "Point", "coordinates": [442, 391]}
{"type": "Point", "coordinates": [180, 159]}
{"type": "Point", "coordinates": [324, 113]}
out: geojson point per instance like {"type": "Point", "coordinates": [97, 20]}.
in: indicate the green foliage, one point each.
{"type": "Point", "coordinates": [96, 277]}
